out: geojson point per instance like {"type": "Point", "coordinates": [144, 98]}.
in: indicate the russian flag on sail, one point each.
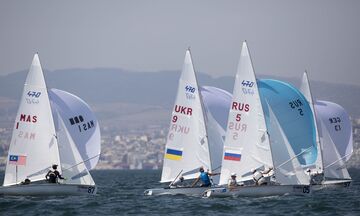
{"type": "Point", "coordinates": [232, 156]}
{"type": "Point", "coordinates": [17, 159]}
{"type": "Point", "coordinates": [173, 154]}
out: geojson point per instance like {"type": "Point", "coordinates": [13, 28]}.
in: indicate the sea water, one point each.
{"type": "Point", "coordinates": [121, 193]}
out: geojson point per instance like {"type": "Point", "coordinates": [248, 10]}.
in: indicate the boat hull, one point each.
{"type": "Point", "coordinates": [258, 191]}
{"type": "Point", "coordinates": [190, 191]}
{"type": "Point", "coordinates": [48, 190]}
{"type": "Point", "coordinates": [332, 184]}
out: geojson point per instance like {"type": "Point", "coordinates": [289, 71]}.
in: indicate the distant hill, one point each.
{"type": "Point", "coordinates": [109, 85]}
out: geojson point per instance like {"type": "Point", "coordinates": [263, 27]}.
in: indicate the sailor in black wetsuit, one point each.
{"type": "Point", "coordinates": [53, 175]}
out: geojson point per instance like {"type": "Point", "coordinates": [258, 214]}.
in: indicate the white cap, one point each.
{"type": "Point", "coordinates": [233, 174]}
{"type": "Point", "coordinates": [253, 170]}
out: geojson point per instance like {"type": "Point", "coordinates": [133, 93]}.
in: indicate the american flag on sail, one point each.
{"type": "Point", "coordinates": [17, 160]}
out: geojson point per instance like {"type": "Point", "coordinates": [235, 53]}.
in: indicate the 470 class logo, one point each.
{"type": "Point", "coordinates": [189, 92]}
{"type": "Point", "coordinates": [247, 83]}
{"type": "Point", "coordinates": [247, 87]}
{"type": "Point", "coordinates": [190, 89]}
{"type": "Point", "coordinates": [32, 97]}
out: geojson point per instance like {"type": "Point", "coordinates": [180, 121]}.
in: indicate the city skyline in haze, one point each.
{"type": "Point", "coordinates": [284, 37]}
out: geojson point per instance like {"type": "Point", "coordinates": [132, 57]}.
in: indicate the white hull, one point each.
{"type": "Point", "coordinates": [258, 191]}
{"type": "Point", "coordinates": [191, 191]}
{"type": "Point", "coordinates": [48, 190]}
{"type": "Point", "coordinates": [332, 184]}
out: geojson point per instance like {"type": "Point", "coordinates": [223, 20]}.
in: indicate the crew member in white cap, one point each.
{"type": "Point", "coordinates": [232, 181]}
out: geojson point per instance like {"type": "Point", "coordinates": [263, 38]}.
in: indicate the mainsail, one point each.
{"type": "Point", "coordinates": [33, 148]}
{"type": "Point", "coordinates": [306, 91]}
{"type": "Point", "coordinates": [187, 146]}
{"type": "Point", "coordinates": [80, 122]}
{"type": "Point", "coordinates": [246, 143]}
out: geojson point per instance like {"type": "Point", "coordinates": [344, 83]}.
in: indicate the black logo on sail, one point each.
{"type": "Point", "coordinates": [81, 123]}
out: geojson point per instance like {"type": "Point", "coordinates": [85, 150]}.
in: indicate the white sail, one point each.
{"type": "Point", "coordinates": [81, 123]}
{"type": "Point", "coordinates": [72, 165]}
{"type": "Point", "coordinates": [338, 124]}
{"type": "Point", "coordinates": [246, 142]}
{"type": "Point", "coordinates": [335, 166]}
{"type": "Point", "coordinates": [288, 170]}
{"type": "Point", "coordinates": [33, 148]}
{"type": "Point", "coordinates": [216, 103]}
{"type": "Point", "coordinates": [335, 131]}
{"type": "Point", "coordinates": [306, 91]}
{"type": "Point", "coordinates": [187, 144]}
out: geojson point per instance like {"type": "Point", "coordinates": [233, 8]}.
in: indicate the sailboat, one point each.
{"type": "Point", "coordinates": [188, 147]}
{"type": "Point", "coordinates": [334, 139]}
{"type": "Point", "coordinates": [38, 142]}
{"type": "Point", "coordinates": [248, 145]}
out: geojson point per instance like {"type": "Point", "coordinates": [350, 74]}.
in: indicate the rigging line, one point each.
{"type": "Point", "coordinates": [176, 177]}
{"type": "Point", "coordinates": [216, 168]}
{"type": "Point", "coordinates": [82, 162]}
{"type": "Point", "coordinates": [337, 161]}
{"type": "Point", "coordinates": [293, 157]}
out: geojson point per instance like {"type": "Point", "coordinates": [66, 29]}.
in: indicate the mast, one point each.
{"type": "Point", "coordinates": [318, 141]}
{"type": "Point", "coordinates": [203, 110]}
{"type": "Point", "coordinates": [52, 119]}
{"type": "Point", "coordinates": [53, 124]}
{"type": "Point", "coordinates": [262, 110]}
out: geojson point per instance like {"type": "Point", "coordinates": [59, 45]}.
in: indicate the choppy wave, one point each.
{"type": "Point", "coordinates": [121, 193]}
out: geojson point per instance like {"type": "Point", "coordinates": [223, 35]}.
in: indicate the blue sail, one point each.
{"type": "Point", "coordinates": [294, 115]}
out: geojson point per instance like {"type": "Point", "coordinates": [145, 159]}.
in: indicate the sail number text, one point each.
{"type": "Point", "coordinates": [297, 104]}
{"type": "Point", "coordinates": [336, 121]}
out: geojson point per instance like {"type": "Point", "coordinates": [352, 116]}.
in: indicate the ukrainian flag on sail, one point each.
{"type": "Point", "coordinates": [173, 154]}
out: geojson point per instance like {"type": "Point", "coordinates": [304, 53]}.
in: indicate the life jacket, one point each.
{"type": "Point", "coordinates": [204, 177]}
{"type": "Point", "coordinates": [52, 177]}
{"type": "Point", "coordinates": [232, 182]}
{"type": "Point", "coordinates": [257, 176]}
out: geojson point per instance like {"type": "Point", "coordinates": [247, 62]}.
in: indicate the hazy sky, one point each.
{"type": "Point", "coordinates": [285, 37]}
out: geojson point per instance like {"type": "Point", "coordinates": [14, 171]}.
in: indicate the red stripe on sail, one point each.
{"type": "Point", "coordinates": [232, 158]}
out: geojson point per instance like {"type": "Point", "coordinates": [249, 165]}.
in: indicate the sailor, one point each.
{"type": "Point", "coordinates": [177, 183]}
{"type": "Point", "coordinates": [258, 177]}
{"type": "Point", "coordinates": [315, 177]}
{"type": "Point", "coordinates": [53, 175]}
{"type": "Point", "coordinates": [232, 183]}
{"type": "Point", "coordinates": [204, 177]}
{"type": "Point", "coordinates": [263, 177]}
{"type": "Point", "coordinates": [26, 182]}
